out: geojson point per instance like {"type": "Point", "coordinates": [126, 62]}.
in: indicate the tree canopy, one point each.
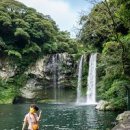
{"type": "Point", "coordinates": [27, 31]}
{"type": "Point", "coordinates": [107, 28]}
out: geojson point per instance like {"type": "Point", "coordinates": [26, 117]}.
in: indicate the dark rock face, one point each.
{"type": "Point", "coordinates": [51, 71]}
{"type": "Point", "coordinates": [58, 70]}
{"type": "Point", "coordinates": [19, 100]}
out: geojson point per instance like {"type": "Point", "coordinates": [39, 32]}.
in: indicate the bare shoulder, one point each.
{"type": "Point", "coordinates": [26, 117]}
{"type": "Point", "coordinates": [36, 115]}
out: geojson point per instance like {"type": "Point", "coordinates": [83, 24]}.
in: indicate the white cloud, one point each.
{"type": "Point", "coordinates": [59, 10]}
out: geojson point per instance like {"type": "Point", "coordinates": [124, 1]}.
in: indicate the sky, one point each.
{"type": "Point", "coordinates": [66, 13]}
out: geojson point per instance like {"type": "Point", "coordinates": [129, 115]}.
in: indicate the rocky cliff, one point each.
{"type": "Point", "coordinates": [58, 70]}
{"type": "Point", "coordinates": [48, 72]}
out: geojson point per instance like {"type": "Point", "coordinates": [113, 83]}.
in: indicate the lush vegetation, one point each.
{"type": "Point", "coordinates": [107, 29]}
{"type": "Point", "coordinates": [25, 32]}
{"type": "Point", "coordinates": [25, 35]}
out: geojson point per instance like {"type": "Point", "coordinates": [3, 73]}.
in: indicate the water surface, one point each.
{"type": "Point", "coordinates": [58, 117]}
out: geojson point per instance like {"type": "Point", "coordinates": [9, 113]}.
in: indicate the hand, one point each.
{"type": "Point", "coordinates": [40, 111]}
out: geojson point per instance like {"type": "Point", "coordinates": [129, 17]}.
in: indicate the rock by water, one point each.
{"type": "Point", "coordinates": [124, 121]}
{"type": "Point", "coordinates": [104, 105]}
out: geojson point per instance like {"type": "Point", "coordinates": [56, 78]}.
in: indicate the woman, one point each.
{"type": "Point", "coordinates": [32, 119]}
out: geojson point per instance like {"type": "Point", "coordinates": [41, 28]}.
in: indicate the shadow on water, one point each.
{"type": "Point", "coordinates": [58, 117]}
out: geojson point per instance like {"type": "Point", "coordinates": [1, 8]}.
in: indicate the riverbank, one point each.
{"type": "Point", "coordinates": [124, 121]}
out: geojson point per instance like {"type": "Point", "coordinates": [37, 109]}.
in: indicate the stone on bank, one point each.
{"type": "Point", "coordinates": [123, 121]}
{"type": "Point", "coordinates": [104, 106]}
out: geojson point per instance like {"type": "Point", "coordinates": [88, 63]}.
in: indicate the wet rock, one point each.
{"type": "Point", "coordinates": [53, 68]}
{"type": "Point", "coordinates": [123, 116]}
{"type": "Point", "coordinates": [102, 105]}
{"type": "Point", "coordinates": [124, 121]}
{"type": "Point", "coordinates": [50, 70]}
{"type": "Point", "coordinates": [29, 90]}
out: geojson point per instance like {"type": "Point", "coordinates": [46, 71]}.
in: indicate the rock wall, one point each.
{"type": "Point", "coordinates": [7, 68]}
{"type": "Point", "coordinates": [59, 70]}
{"type": "Point", "coordinates": [56, 70]}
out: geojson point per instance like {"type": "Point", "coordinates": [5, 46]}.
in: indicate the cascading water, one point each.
{"type": "Point", "coordinates": [59, 61]}
{"type": "Point", "coordinates": [91, 86]}
{"type": "Point", "coordinates": [54, 66]}
{"type": "Point", "coordinates": [79, 93]}
{"type": "Point", "coordinates": [91, 89]}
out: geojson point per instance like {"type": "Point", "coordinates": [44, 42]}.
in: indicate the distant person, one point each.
{"type": "Point", "coordinates": [32, 118]}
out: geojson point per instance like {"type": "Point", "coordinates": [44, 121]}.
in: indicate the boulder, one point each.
{"type": "Point", "coordinates": [102, 105]}
{"type": "Point", "coordinates": [123, 116]}
{"type": "Point", "coordinates": [124, 121]}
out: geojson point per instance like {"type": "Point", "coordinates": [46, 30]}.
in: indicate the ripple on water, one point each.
{"type": "Point", "coordinates": [58, 117]}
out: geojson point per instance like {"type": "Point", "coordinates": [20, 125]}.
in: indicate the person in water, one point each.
{"type": "Point", "coordinates": [32, 118]}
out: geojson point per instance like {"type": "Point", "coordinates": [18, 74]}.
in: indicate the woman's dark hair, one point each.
{"type": "Point", "coordinates": [34, 106]}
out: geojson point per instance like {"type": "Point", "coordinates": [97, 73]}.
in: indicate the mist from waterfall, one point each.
{"type": "Point", "coordinates": [91, 83]}
{"type": "Point", "coordinates": [79, 92]}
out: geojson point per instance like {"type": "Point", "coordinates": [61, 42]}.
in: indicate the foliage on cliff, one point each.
{"type": "Point", "coordinates": [25, 35]}
{"type": "Point", "coordinates": [107, 28]}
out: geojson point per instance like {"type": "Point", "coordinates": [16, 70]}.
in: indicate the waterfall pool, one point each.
{"type": "Point", "coordinates": [58, 117]}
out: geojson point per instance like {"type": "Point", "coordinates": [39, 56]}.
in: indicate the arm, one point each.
{"type": "Point", "coordinates": [24, 125]}
{"type": "Point", "coordinates": [40, 113]}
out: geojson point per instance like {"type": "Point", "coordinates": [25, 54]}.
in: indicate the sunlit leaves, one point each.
{"type": "Point", "coordinates": [96, 27]}
{"type": "Point", "coordinates": [32, 48]}
{"type": "Point", "coordinates": [21, 23]}
{"type": "Point", "coordinates": [21, 34]}
{"type": "Point", "coordinates": [13, 53]}
{"type": "Point", "coordinates": [124, 11]}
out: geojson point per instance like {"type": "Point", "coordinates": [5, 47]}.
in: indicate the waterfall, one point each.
{"type": "Point", "coordinates": [91, 89]}
{"type": "Point", "coordinates": [54, 66]}
{"type": "Point", "coordinates": [79, 93]}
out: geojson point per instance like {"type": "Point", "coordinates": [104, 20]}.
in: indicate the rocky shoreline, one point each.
{"type": "Point", "coordinates": [123, 121]}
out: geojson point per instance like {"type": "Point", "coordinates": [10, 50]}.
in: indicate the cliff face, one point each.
{"type": "Point", "coordinates": [52, 71]}
{"type": "Point", "coordinates": [7, 68]}
{"type": "Point", "coordinates": [48, 72]}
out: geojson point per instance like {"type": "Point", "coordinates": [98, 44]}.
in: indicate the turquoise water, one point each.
{"type": "Point", "coordinates": [58, 117]}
